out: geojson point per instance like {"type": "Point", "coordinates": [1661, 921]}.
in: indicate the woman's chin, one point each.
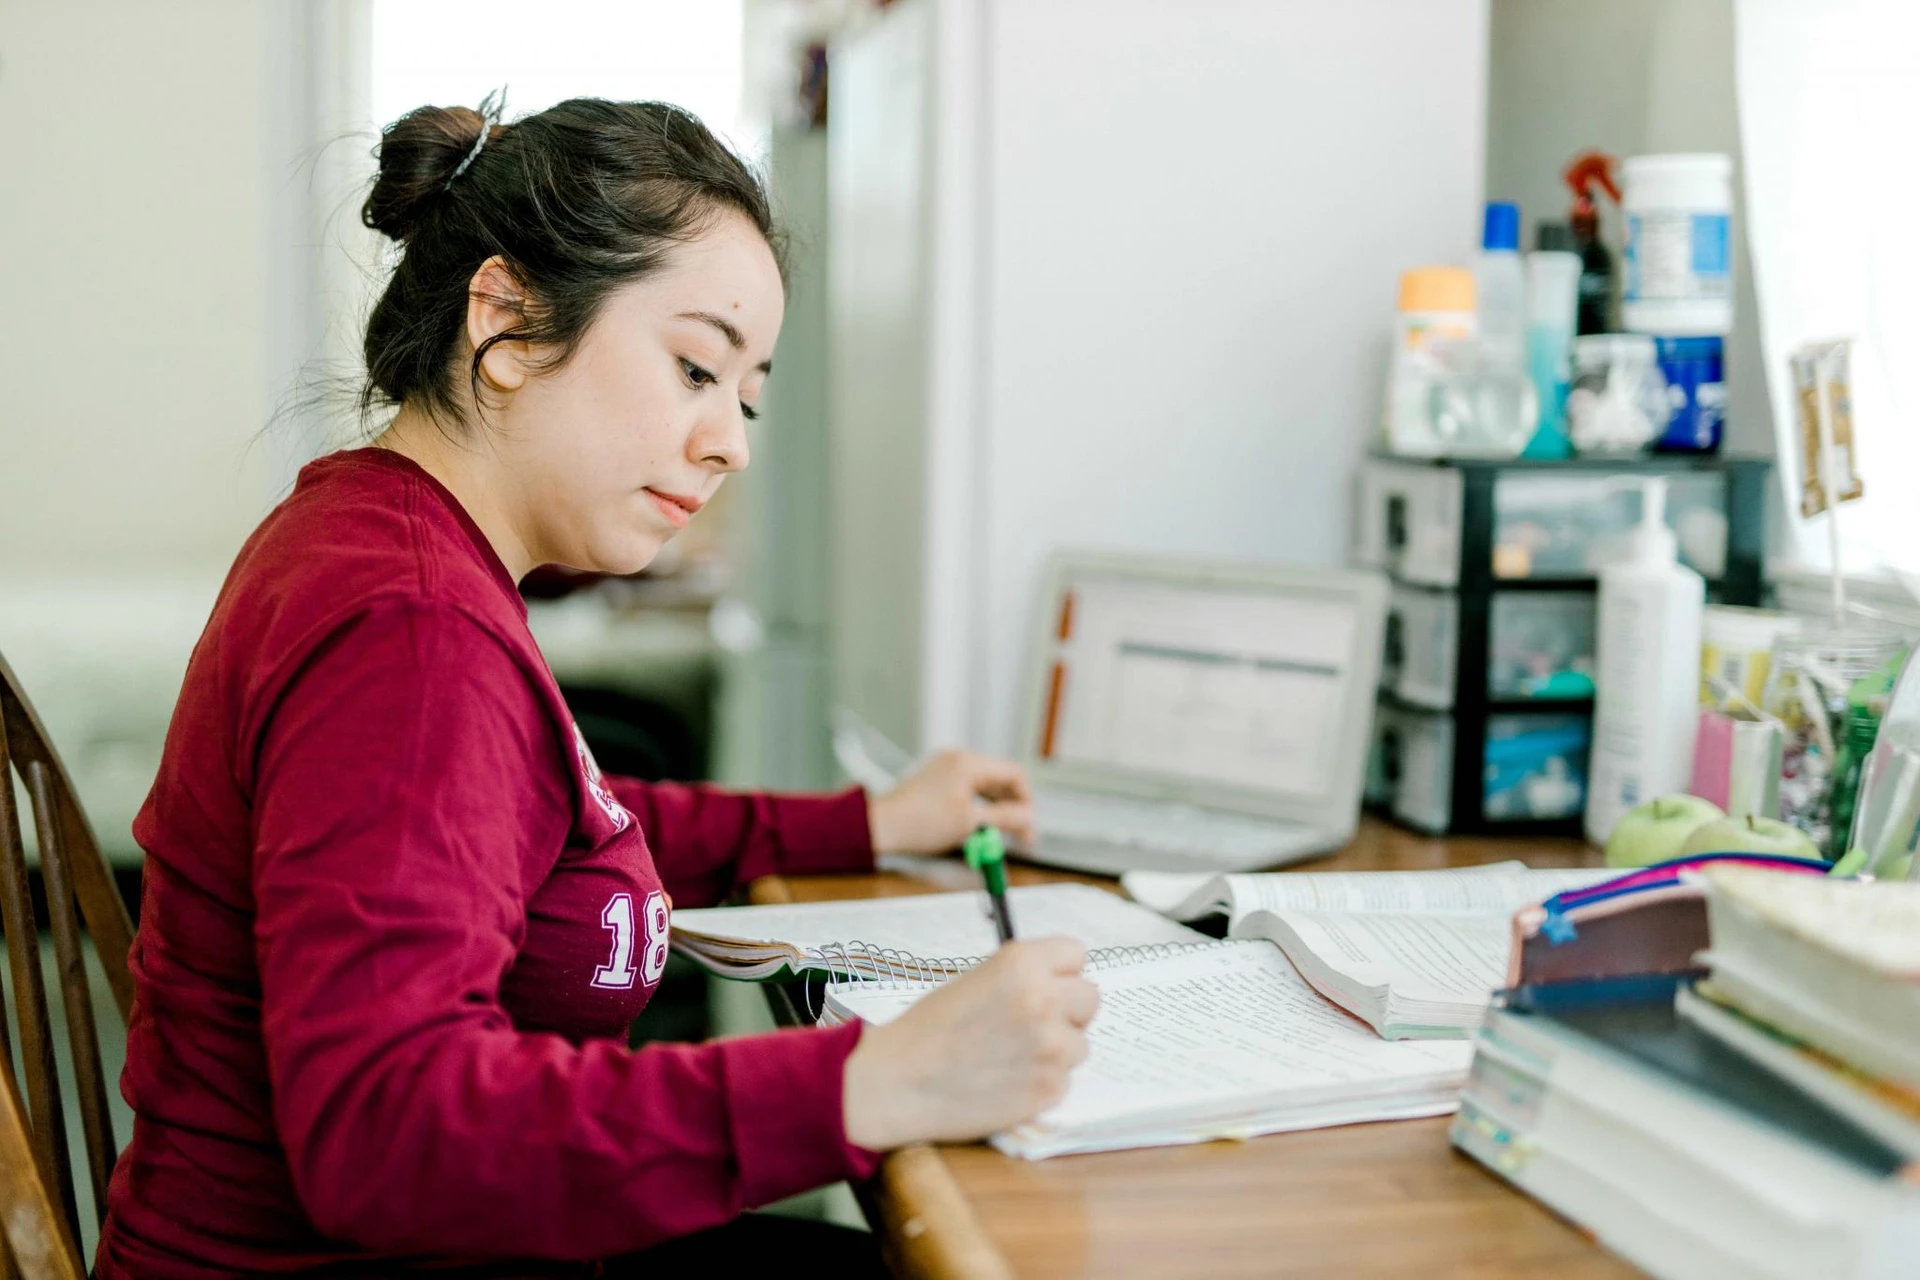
{"type": "Point", "coordinates": [621, 547]}
{"type": "Point", "coordinates": [620, 557]}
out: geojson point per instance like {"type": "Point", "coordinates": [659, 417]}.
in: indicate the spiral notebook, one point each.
{"type": "Point", "coordinates": [918, 936]}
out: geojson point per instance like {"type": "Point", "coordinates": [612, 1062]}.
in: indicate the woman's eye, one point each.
{"type": "Point", "coordinates": [697, 377]}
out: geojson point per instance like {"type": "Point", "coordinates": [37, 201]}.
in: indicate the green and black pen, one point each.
{"type": "Point", "coordinates": [987, 854]}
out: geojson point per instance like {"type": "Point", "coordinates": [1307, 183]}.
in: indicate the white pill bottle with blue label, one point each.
{"type": "Point", "coordinates": [1679, 259]}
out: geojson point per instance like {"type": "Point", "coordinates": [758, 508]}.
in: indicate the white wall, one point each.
{"type": "Point", "coordinates": [1629, 77]}
{"type": "Point", "coordinates": [168, 265]}
{"type": "Point", "coordinates": [773, 698]}
{"type": "Point", "coordinates": [1114, 273]}
{"type": "Point", "coordinates": [879, 180]}
{"type": "Point", "coordinates": [1200, 214]}
{"type": "Point", "coordinates": [140, 344]}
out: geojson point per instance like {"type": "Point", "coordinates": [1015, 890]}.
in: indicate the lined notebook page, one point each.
{"type": "Point", "coordinates": [939, 925]}
{"type": "Point", "coordinates": [1206, 1032]}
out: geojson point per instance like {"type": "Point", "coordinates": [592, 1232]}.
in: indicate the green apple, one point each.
{"type": "Point", "coordinates": [1656, 831]}
{"type": "Point", "coordinates": [1751, 834]}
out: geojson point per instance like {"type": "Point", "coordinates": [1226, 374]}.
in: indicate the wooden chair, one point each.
{"type": "Point", "coordinates": [37, 1199]}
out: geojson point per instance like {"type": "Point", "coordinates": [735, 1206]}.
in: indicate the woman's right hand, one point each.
{"type": "Point", "coordinates": [983, 1053]}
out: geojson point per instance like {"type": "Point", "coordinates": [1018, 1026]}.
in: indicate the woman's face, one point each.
{"type": "Point", "coordinates": [613, 452]}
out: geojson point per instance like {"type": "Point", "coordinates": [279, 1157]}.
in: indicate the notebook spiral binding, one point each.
{"type": "Point", "coordinates": [894, 969]}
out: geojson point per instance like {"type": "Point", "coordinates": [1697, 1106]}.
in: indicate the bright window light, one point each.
{"type": "Point", "coordinates": [455, 52]}
{"type": "Point", "coordinates": [1828, 105]}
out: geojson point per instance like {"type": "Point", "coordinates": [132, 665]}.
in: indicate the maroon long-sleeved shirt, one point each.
{"type": "Point", "coordinates": [395, 924]}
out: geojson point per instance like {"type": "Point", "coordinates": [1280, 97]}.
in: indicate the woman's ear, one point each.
{"type": "Point", "coordinates": [497, 304]}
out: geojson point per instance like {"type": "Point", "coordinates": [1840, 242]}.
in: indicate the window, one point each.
{"type": "Point", "coordinates": [1829, 112]}
{"type": "Point", "coordinates": [455, 52]}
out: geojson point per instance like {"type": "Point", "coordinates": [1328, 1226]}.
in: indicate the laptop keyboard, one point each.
{"type": "Point", "coordinates": [1205, 835]}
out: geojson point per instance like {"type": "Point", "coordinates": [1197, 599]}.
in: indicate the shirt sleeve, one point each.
{"type": "Point", "coordinates": [708, 842]}
{"type": "Point", "coordinates": [402, 817]}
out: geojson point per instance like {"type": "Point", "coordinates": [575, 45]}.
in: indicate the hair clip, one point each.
{"type": "Point", "coordinates": [490, 109]}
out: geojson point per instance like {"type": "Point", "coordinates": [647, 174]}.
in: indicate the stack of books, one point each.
{"type": "Point", "coordinates": [1762, 1120]}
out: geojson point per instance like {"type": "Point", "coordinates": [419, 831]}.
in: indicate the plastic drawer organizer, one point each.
{"type": "Point", "coordinates": [1490, 631]}
{"type": "Point", "coordinates": [1539, 646]}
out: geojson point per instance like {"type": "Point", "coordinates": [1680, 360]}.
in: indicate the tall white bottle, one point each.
{"type": "Point", "coordinates": [1647, 681]}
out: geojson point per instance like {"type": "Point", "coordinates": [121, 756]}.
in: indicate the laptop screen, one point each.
{"type": "Point", "coordinates": [1220, 684]}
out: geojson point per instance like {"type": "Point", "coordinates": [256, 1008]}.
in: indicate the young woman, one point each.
{"type": "Point", "coordinates": [395, 921]}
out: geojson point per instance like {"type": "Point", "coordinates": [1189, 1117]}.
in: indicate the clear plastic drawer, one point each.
{"type": "Point", "coordinates": [1420, 648]}
{"type": "Point", "coordinates": [1546, 524]}
{"type": "Point", "coordinates": [1534, 768]}
{"type": "Point", "coordinates": [1410, 521]}
{"type": "Point", "coordinates": [1540, 645]}
{"type": "Point", "coordinates": [1568, 526]}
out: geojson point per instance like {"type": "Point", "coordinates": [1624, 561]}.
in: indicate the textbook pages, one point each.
{"type": "Point", "coordinates": [1414, 954]}
{"type": "Point", "coordinates": [1219, 1040]}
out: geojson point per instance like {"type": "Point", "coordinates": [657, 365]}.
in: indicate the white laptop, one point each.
{"type": "Point", "coordinates": [1191, 715]}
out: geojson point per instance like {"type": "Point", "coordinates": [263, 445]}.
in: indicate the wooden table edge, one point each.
{"type": "Point", "coordinates": [925, 1223]}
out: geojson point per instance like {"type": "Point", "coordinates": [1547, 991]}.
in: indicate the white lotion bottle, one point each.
{"type": "Point", "coordinates": [1647, 671]}
{"type": "Point", "coordinates": [1500, 292]}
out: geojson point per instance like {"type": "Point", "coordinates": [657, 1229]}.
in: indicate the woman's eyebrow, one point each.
{"type": "Point", "coordinates": [734, 337]}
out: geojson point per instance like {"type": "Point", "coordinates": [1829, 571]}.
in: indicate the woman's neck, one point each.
{"type": "Point", "coordinates": [474, 476]}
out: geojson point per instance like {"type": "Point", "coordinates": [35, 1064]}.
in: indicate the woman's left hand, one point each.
{"type": "Point", "coordinates": [933, 809]}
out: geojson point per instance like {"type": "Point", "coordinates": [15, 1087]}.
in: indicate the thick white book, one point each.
{"type": "Point", "coordinates": [1889, 1111]}
{"type": "Point", "coordinates": [1414, 954]}
{"type": "Point", "coordinates": [1835, 963]}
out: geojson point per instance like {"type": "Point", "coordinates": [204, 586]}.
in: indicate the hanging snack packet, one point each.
{"type": "Point", "coordinates": [1822, 383]}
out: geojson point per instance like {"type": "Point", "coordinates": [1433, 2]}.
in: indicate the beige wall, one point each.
{"type": "Point", "coordinates": [152, 314]}
{"type": "Point", "coordinates": [1629, 77]}
{"type": "Point", "coordinates": [169, 261]}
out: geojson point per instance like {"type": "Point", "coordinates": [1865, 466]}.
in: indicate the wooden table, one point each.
{"type": "Point", "coordinates": [1363, 1200]}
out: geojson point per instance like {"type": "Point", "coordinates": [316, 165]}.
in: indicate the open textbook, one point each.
{"type": "Point", "coordinates": [1415, 954]}
{"type": "Point", "coordinates": [1213, 1040]}
{"type": "Point", "coordinates": [915, 936]}
{"type": "Point", "coordinates": [1196, 1038]}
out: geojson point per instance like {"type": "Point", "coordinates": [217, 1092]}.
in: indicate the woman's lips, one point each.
{"type": "Point", "coordinates": [677, 509]}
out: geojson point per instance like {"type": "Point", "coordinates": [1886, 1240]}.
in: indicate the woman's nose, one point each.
{"type": "Point", "coordinates": [720, 442]}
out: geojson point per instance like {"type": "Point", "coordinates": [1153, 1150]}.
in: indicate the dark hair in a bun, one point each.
{"type": "Point", "coordinates": [419, 155]}
{"type": "Point", "coordinates": [577, 200]}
